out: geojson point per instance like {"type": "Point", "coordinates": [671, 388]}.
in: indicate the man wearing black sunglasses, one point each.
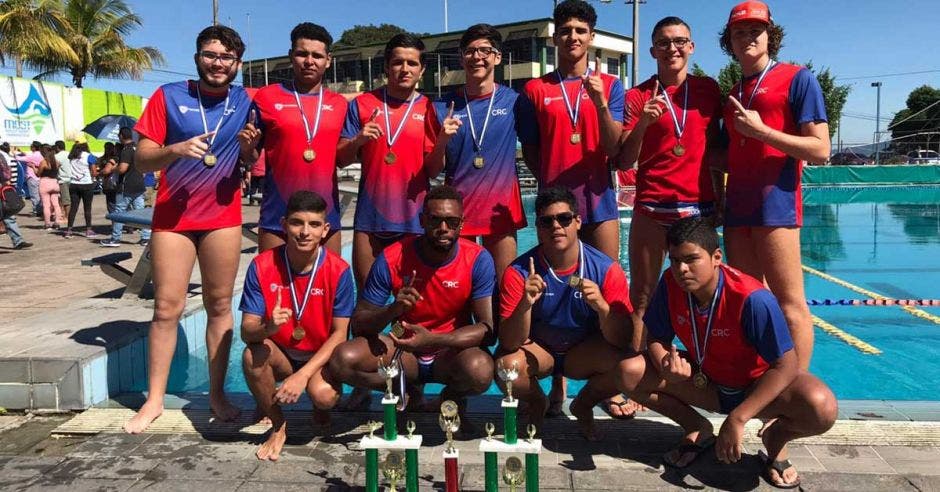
{"type": "Point", "coordinates": [442, 287]}
{"type": "Point", "coordinates": [564, 309]}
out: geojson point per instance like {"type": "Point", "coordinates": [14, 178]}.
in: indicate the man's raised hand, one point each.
{"type": "Point", "coordinates": [675, 368]}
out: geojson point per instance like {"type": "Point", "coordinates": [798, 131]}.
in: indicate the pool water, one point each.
{"type": "Point", "coordinates": [884, 240]}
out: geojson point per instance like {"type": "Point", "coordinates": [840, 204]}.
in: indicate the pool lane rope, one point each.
{"type": "Point", "coordinates": [873, 302]}
{"type": "Point", "coordinates": [919, 313]}
{"type": "Point", "coordinates": [851, 340]}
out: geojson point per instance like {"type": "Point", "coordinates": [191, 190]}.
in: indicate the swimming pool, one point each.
{"type": "Point", "coordinates": [884, 240]}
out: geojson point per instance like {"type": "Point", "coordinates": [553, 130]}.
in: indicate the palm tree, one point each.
{"type": "Point", "coordinates": [95, 31]}
{"type": "Point", "coordinates": [29, 32]}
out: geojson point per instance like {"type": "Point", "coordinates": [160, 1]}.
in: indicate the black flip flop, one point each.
{"type": "Point", "coordinates": [779, 466]}
{"type": "Point", "coordinates": [696, 448]}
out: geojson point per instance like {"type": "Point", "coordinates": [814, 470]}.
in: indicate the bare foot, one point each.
{"type": "Point", "coordinates": [271, 449]}
{"type": "Point", "coordinates": [620, 407]}
{"type": "Point", "coordinates": [147, 414]}
{"type": "Point", "coordinates": [584, 412]}
{"type": "Point", "coordinates": [222, 409]}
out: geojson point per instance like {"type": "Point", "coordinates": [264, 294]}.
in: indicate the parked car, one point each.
{"type": "Point", "coordinates": [923, 157]}
{"type": "Point", "coordinates": [849, 159]}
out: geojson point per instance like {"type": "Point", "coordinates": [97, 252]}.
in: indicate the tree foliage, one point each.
{"type": "Point", "coordinates": [81, 37]}
{"type": "Point", "coordinates": [834, 95]}
{"type": "Point", "coordinates": [920, 118]}
{"type": "Point", "coordinates": [360, 35]}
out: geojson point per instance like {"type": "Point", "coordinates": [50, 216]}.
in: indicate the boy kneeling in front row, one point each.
{"type": "Point", "coordinates": [740, 359]}
{"type": "Point", "coordinates": [296, 306]}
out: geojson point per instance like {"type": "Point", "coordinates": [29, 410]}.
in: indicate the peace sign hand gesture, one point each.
{"type": "Point", "coordinates": [250, 136]}
{"type": "Point", "coordinates": [747, 121]}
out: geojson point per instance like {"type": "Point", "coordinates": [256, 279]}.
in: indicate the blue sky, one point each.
{"type": "Point", "coordinates": [860, 41]}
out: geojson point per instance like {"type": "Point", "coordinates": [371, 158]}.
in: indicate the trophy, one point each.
{"type": "Point", "coordinates": [513, 474]}
{"type": "Point", "coordinates": [510, 405]}
{"type": "Point", "coordinates": [388, 372]}
{"type": "Point", "coordinates": [393, 468]}
{"type": "Point", "coordinates": [450, 423]}
{"type": "Point", "coordinates": [490, 429]}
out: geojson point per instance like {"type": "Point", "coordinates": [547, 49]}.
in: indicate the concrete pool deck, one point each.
{"type": "Point", "coordinates": [59, 318]}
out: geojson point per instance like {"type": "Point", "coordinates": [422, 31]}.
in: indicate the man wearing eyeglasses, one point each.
{"type": "Point", "coordinates": [564, 309]}
{"type": "Point", "coordinates": [481, 156]}
{"type": "Point", "coordinates": [670, 132]}
{"type": "Point", "coordinates": [442, 286]}
{"type": "Point", "coordinates": [189, 133]}
{"type": "Point", "coordinates": [298, 124]}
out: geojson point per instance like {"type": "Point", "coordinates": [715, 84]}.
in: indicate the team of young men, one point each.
{"type": "Point", "coordinates": [565, 307]}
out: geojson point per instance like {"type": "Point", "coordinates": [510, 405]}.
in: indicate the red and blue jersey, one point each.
{"type": "Point", "coordinates": [391, 195]}
{"type": "Point", "coordinates": [491, 197]}
{"type": "Point", "coordinates": [285, 141]}
{"type": "Point", "coordinates": [581, 167]}
{"type": "Point", "coordinates": [663, 178]}
{"type": "Point", "coordinates": [763, 186]}
{"type": "Point", "coordinates": [193, 196]}
{"type": "Point", "coordinates": [561, 318]}
{"type": "Point", "coordinates": [748, 331]}
{"type": "Point", "coordinates": [448, 290]}
{"type": "Point", "coordinates": [331, 296]}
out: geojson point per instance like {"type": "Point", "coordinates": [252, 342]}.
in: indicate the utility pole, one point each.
{"type": "Point", "coordinates": [445, 16]}
{"type": "Point", "coordinates": [877, 85]}
{"type": "Point", "coordinates": [635, 76]}
{"type": "Point", "coordinates": [215, 12]}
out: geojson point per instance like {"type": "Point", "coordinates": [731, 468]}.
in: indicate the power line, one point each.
{"type": "Point", "coordinates": [899, 74]}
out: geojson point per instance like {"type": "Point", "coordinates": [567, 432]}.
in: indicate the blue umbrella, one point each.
{"type": "Point", "coordinates": [106, 127]}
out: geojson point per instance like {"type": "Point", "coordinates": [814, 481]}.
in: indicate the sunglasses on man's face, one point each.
{"type": "Point", "coordinates": [434, 221]}
{"type": "Point", "coordinates": [548, 221]}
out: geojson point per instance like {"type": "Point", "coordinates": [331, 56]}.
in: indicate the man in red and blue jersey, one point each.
{"type": "Point", "coordinates": [565, 309]}
{"type": "Point", "coordinates": [579, 113]}
{"type": "Point", "coordinates": [296, 305]}
{"type": "Point", "coordinates": [439, 287]}
{"type": "Point", "coordinates": [776, 120]}
{"type": "Point", "coordinates": [298, 124]}
{"type": "Point", "coordinates": [189, 133]}
{"type": "Point", "coordinates": [740, 359]}
{"type": "Point", "coordinates": [391, 129]}
{"type": "Point", "coordinates": [481, 157]}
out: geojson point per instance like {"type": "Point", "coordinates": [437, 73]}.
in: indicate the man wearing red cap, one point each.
{"type": "Point", "coordinates": [776, 120]}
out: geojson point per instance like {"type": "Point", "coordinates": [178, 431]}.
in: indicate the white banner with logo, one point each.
{"type": "Point", "coordinates": [30, 111]}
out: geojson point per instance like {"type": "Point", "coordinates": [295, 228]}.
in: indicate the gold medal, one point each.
{"type": "Point", "coordinates": [478, 162]}
{"type": "Point", "coordinates": [298, 333]}
{"type": "Point", "coordinates": [700, 380]}
{"type": "Point", "coordinates": [678, 150]}
{"type": "Point", "coordinates": [209, 160]}
{"type": "Point", "coordinates": [398, 329]}
{"type": "Point", "coordinates": [574, 281]}
{"type": "Point", "coordinates": [309, 155]}
{"type": "Point", "coordinates": [390, 158]}
{"type": "Point", "coordinates": [575, 138]}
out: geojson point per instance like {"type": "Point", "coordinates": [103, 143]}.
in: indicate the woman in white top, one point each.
{"type": "Point", "coordinates": [82, 186]}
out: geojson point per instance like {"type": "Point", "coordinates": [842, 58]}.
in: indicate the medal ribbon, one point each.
{"type": "Point", "coordinates": [700, 351]}
{"type": "Point", "coordinates": [389, 137]}
{"type": "Point", "coordinates": [298, 307]}
{"type": "Point", "coordinates": [580, 264]}
{"type": "Point", "coordinates": [303, 115]}
{"type": "Point", "coordinates": [756, 85]}
{"type": "Point", "coordinates": [672, 110]}
{"type": "Point", "coordinates": [489, 110]}
{"type": "Point", "coordinates": [205, 124]}
{"type": "Point", "coordinates": [572, 114]}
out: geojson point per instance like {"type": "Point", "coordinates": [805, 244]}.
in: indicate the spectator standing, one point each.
{"type": "Point", "coordinates": [48, 172]}
{"type": "Point", "coordinates": [62, 158]}
{"type": "Point", "coordinates": [106, 166]}
{"type": "Point", "coordinates": [83, 171]}
{"type": "Point", "coordinates": [130, 190]}
{"type": "Point", "coordinates": [32, 160]}
{"type": "Point", "coordinates": [8, 224]}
